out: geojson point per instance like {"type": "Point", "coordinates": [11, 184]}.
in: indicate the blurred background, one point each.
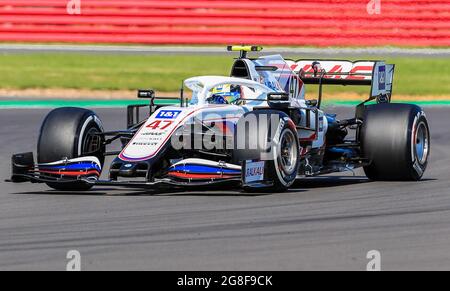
{"type": "Point", "coordinates": [97, 50]}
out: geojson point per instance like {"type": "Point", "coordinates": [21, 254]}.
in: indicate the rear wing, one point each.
{"type": "Point", "coordinates": [377, 74]}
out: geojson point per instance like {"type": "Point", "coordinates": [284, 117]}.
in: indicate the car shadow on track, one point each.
{"type": "Point", "coordinates": [137, 192]}
{"type": "Point", "coordinates": [330, 181]}
{"type": "Point", "coordinates": [111, 192]}
{"type": "Point", "coordinates": [302, 185]}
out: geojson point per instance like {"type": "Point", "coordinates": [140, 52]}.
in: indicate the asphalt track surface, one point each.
{"type": "Point", "coordinates": [327, 223]}
{"type": "Point", "coordinates": [170, 50]}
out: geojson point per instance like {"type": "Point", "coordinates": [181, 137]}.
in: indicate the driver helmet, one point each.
{"type": "Point", "coordinates": [225, 94]}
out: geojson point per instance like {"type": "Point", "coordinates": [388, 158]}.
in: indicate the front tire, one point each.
{"type": "Point", "coordinates": [396, 139]}
{"type": "Point", "coordinates": [286, 160]}
{"type": "Point", "coordinates": [281, 156]}
{"type": "Point", "coordinates": [69, 133]}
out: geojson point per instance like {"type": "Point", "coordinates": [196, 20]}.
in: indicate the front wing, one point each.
{"type": "Point", "coordinates": [88, 170]}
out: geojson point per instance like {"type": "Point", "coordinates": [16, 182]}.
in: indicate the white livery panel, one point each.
{"type": "Point", "coordinates": [160, 127]}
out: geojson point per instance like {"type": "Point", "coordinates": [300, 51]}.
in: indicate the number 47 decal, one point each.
{"type": "Point", "coordinates": [160, 124]}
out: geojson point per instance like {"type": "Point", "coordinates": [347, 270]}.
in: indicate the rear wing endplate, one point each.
{"type": "Point", "coordinates": [377, 74]}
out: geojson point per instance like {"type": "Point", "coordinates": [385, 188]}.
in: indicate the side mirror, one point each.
{"type": "Point", "coordinates": [312, 103]}
{"type": "Point", "coordinates": [278, 100]}
{"type": "Point", "coordinates": [146, 94]}
{"type": "Point", "coordinates": [277, 97]}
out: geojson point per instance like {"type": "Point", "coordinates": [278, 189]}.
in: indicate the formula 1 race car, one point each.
{"type": "Point", "coordinates": [253, 129]}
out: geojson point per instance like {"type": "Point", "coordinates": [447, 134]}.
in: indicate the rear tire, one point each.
{"type": "Point", "coordinates": [396, 138]}
{"type": "Point", "coordinates": [67, 133]}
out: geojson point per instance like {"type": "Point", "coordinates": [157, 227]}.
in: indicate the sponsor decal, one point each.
{"type": "Point", "coordinates": [356, 71]}
{"type": "Point", "coordinates": [382, 78]}
{"type": "Point", "coordinates": [254, 171]}
{"type": "Point", "coordinates": [277, 137]}
{"type": "Point", "coordinates": [168, 114]}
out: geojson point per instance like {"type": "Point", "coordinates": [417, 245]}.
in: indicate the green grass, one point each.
{"type": "Point", "coordinates": [414, 76]}
{"type": "Point", "coordinates": [107, 72]}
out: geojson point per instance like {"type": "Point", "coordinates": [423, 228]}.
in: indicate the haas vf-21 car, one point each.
{"type": "Point", "coordinates": [252, 129]}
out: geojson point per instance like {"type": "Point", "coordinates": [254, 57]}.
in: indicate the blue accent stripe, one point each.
{"type": "Point", "coordinates": [204, 170]}
{"type": "Point", "coordinates": [79, 166]}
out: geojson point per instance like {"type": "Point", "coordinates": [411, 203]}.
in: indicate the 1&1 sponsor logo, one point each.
{"type": "Point", "coordinates": [168, 114]}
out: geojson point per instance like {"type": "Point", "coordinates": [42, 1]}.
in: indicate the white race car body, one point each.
{"type": "Point", "coordinates": [163, 148]}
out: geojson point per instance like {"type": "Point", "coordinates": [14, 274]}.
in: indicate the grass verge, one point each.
{"type": "Point", "coordinates": [415, 77]}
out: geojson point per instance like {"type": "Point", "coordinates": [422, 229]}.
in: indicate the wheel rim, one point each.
{"type": "Point", "coordinates": [92, 142]}
{"type": "Point", "coordinates": [422, 143]}
{"type": "Point", "coordinates": [289, 154]}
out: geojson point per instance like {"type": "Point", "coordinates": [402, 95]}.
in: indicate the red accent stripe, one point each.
{"type": "Point", "coordinates": [70, 173]}
{"type": "Point", "coordinates": [200, 176]}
